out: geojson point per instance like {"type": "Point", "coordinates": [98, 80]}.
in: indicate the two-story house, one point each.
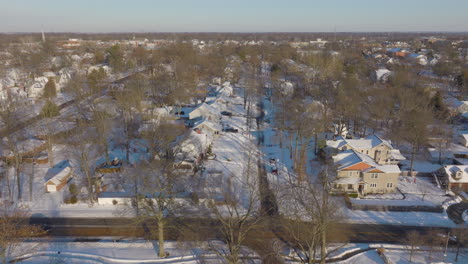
{"type": "Point", "coordinates": [366, 165]}
{"type": "Point", "coordinates": [359, 173]}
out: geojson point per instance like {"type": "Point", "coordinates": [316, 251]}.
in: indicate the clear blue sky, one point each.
{"type": "Point", "coordinates": [232, 15]}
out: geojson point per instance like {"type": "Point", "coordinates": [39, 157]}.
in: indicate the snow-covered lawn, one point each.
{"type": "Point", "coordinates": [413, 193]}
{"type": "Point", "coordinates": [399, 218]}
{"type": "Point", "coordinates": [420, 166]}
{"type": "Point", "coordinates": [115, 251]}
{"type": "Point", "coordinates": [421, 257]}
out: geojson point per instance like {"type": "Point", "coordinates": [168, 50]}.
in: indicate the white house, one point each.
{"type": "Point", "coordinates": [206, 111]}
{"type": "Point", "coordinates": [207, 126]}
{"type": "Point", "coordinates": [63, 78]}
{"type": "Point", "coordinates": [57, 182]}
{"type": "Point", "coordinates": [37, 88]}
{"type": "Point", "coordinates": [456, 177]}
{"type": "Point", "coordinates": [463, 139]}
{"type": "Point", "coordinates": [381, 75]}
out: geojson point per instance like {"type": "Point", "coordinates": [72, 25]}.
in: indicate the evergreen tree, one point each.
{"type": "Point", "coordinates": [50, 109]}
{"type": "Point", "coordinates": [50, 89]}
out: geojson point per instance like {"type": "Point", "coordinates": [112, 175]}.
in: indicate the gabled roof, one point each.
{"type": "Point", "coordinates": [61, 176]}
{"type": "Point", "coordinates": [368, 142]}
{"type": "Point", "coordinates": [452, 169]}
{"type": "Point", "coordinates": [207, 123]}
{"type": "Point", "coordinates": [350, 157]}
{"type": "Point", "coordinates": [206, 108]}
{"type": "Point", "coordinates": [395, 154]}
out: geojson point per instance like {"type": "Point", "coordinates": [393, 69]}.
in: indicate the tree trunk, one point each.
{"type": "Point", "coordinates": [18, 179]}
{"type": "Point", "coordinates": [7, 176]}
{"type": "Point", "coordinates": [413, 153]}
{"type": "Point", "coordinates": [85, 169]}
{"type": "Point", "coordinates": [106, 149]}
{"type": "Point", "coordinates": [411, 254]}
{"type": "Point", "coordinates": [162, 253]}
{"type": "Point", "coordinates": [31, 179]}
{"type": "Point", "coordinates": [50, 154]}
{"type": "Point", "coordinates": [323, 247]}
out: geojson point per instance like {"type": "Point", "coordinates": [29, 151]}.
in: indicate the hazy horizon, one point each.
{"type": "Point", "coordinates": [211, 16]}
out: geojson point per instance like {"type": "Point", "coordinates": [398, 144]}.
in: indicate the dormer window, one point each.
{"type": "Point", "coordinates": [458, 174]}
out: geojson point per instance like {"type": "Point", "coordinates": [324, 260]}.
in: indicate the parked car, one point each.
{"type": "Point", "coordinates": [226, 113]}
{"type": "Point", "coordinates": [230, 129]}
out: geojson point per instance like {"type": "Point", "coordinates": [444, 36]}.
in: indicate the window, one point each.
{"type": "Point", "coordinates": [350, 173]}
{"type": "Point", "coordinates": [374, 175]}
{"type": "Point", "coordinates": [350, 186]}
{"type": "Point", "coordinates": [389, 185]}
{"type": "Point", "coordinates": [373, 185]}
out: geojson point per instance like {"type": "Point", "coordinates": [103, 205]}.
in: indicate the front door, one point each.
{"type": "Point", "coordinates": [361, 188]}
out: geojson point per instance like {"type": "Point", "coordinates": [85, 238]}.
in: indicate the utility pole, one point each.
{"type": "Point", "coordinates": [446, 245]}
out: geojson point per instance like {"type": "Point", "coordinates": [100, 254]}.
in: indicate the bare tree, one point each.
{"type": "Point", "coordinates": [83, 151]}
{"type": "Point", "coordinates": [159, 185]}
{"type": "Point", "coordinates": [434, 240]}
{"type": "Point", "coordinates": [12, 137]}
{"type": "Point", "coordinates": [238, 211]}
{"type": "Point", "coordinates": [312, 217]}
{"type": "Point", "coordinates": [412, 240]}
{"type": "Point", "coordinates": [461, 235]}
{"type": "Point", "coordinates": [102, 122]}
{"type": "Point", "coordinates": [14, 230]}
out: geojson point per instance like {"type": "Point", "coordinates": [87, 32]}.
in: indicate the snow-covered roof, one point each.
{"type": "Point", "coordinates": [448, 152]}
{"type": "Point", "coordinates": [206, 109]}
{"type": "Point", "coordinates": [350, 157]}
{"type": "Point", "coordinates": [368, 142]}
{"type": "Point", "coordinates": [395, 154]}
{"type": "Point", "coordinates": [452, 171]}
{"type": "Point", "coordinates": [8, 82]}
{"type": "Point", "coordinates": [465, 136]}
{"type": "Point", "coordinates": [394, 50]}
{"type": "Point", "coordinates": [61, 176]}
{"type": "Point", "coordinates": [382, 74]}
{"type": "Point", "coordinates": [207, 123]}
{"type": "Point", "coordinates": [454, 103]}
{"type": "Point", "coordinates": [24, 146]}
{"type": "Point", "coordinates": [348, 180]}
{"type": "Point", "coordinates": [48, 74]}
{"type": "Point", "coordinates": [345, 159]}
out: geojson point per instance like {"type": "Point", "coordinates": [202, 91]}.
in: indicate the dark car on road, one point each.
{"type": "Point", "coordinates": [230, 129]}
{"type": "Point", "coordinates": [226, 113]}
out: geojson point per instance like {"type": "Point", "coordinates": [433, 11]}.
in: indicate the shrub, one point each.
{"type": "Point", "coordinates": [381, 251]}
{"type": "Point", "coordinates": [353, 195]}
{"type": "Point", "coordinates": [114, 202]}
{"type": "Point", "coordinates": [73, 199]}
{"type": "Point", "coordinates": [73, 189]}
{"type": "Point", "coordinates": [50, 109]}
{"type": "Point", "coordinates": [195, 198]}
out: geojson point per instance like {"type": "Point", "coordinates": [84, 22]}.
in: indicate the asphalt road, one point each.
{"type": "Point", "coordinates": [127, 227]}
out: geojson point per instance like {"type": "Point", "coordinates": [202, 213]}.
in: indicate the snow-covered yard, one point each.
{"type": "Point", "coordinates": [412, 192]}
{"type": "Point", "coordinates": [118, 251]}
